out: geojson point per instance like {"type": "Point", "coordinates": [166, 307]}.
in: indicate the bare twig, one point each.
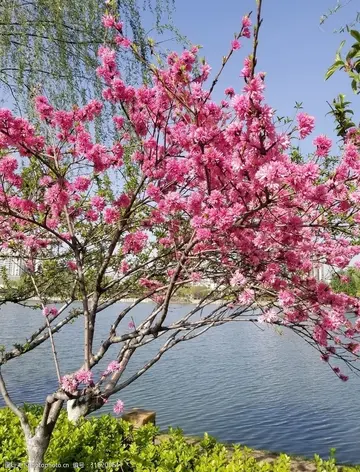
{"type": "Point", "coordinates": [52, 342]}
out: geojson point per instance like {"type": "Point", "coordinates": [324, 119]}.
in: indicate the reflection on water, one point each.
{"type": "Point", "coordinates": [237, 382]}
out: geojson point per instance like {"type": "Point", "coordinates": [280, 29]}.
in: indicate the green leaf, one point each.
{"type": "Point", "coordinates": [351, 54]}
{"type": "Point", "coordinates": [337, 56]}
{"type": "Point", "coordinates": [355, 34]}
{"type": "Point", "coordinates": [333, 69]}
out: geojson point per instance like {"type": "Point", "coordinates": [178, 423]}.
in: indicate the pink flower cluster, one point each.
{"type": "Point", "coordinates": [205, 190]}
{"type": "Point", "coordinates": [70, 383]}
{"type": "Point", "coordinates": [323, 145]}
{"type": "Point", "coordinates": [114, 366]}
{"type": "Point", "coordinates": [135, 242]}
{"type": "Point", "coordinates": [119, 407]}
{"type": "Point", "coordinates": [306, 124]}
{"type": "Point", "coordinates": [50, 311]}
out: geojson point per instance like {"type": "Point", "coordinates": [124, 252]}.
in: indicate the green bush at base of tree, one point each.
{"type": "Point", "coordinates": [106, 443]}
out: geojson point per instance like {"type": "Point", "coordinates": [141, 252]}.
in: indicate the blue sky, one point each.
{"type": "Point", "coordinates": [294, 51]}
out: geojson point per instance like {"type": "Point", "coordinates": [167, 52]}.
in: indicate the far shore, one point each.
{"type": "Point", "coordinates": [180, 301]}
{"type": "Point", "coordinates": [177, 301]}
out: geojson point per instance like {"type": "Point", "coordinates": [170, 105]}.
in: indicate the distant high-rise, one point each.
{"type": "Point", "coordinates": [322, 272]}
{"type": "Point", "coordinates": [14, 266]}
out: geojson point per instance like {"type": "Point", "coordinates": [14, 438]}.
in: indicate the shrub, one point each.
{"type": "Point", "coordinates": [105, 443]}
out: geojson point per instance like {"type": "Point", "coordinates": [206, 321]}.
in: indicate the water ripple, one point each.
{"type": "Point", "coordinates": [236, 382]}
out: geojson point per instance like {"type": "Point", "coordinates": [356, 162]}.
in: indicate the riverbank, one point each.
{"type": "Point", "coordinates": [103, 442]}
{"type": "Point", "coordinates": [175, 301]}
{"type": "Point", "coordinates": [296, 463]}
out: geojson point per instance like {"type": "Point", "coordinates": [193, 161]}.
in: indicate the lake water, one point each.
{"type": "Point", "coordinates": [239, 383]}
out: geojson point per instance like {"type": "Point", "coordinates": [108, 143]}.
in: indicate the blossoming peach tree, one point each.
{"type": "Point", "coordinates": [189, 190]}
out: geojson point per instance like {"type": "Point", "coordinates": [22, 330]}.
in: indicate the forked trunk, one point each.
{"type": "Point", "coordinates": [36, 449]}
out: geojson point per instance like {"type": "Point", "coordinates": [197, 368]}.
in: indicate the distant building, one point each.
{"type": "Point", "coordinates": [322, 273]}
{"type": "Point", "coordinates": [14, 266]}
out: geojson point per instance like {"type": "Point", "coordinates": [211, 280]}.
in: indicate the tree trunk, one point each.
{"type": "Point", "coordinates": [36, 448]}
{"type": "Point", "coordinates": [77, 409]}
{"type": "Point", "coordinates": [81, 407]}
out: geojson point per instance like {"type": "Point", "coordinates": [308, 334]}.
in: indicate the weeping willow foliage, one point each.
{"type": "Point", "coordinates": [50, 46]}
{"type": "Point", "coordinates": [352, 8]}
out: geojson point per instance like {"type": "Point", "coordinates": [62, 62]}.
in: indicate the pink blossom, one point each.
{"type": "Point", "coordinates": [238, 279]}
{"type": "Point", "coordinates": [114, 366]}
{"type": "Point", "coordinates": [135, 242]}
{"type": "Point", "coordinates": [91, 215]}
{"type": "Point", "coordinates": [111, 215]}
{"type": "Point", "coordinates": [246, 297]}
{"type": "Point", "coordinates": [119, 121]}
{"type": "Point", "coordinates": [89, 111]}
{"type": "Point", "coordinates": [230, 91]}
{"type": "Point", "coordinates": [354, 348]}
{"type": "Point", "coordinates": [246, 70]}
{"type": "Point", "coordinates": [69, 383]}
{"type": "Point", "coordinates": [131, 325]}
{"type": "Point", "coordinates": [323, 145]}
{"type": "Point", "coordinates": [195, 276]}
{"type": "Point", "coordinates": [246, 33]}
{"type": "Point", "coordinates": [118, 152]}
{"type": "Point", "coordinates": [119, 407]}
{"type": "Point", "coordinates": [306, 124]}
{"type": "Point", "coordinates": [246, 22]}
{"type": "Point", "coordinates": [66, 236]}
{"type": "Point", "coordinates": [270, 316]}
{"type": "Point", "coordinates": [124, 267]}
{"type": "Point", "coordinates": [47, 311]}
{"type": "Point", "coordinates": [286, 298]}
{"type": "Point", "coordinates": [154, 192]}
{"type": "Point", "coordinates": [45, 180]}
{"type": "Point", "coordinates": [81, 183]}
{"type": "Point", "coordinates": [150, 283]}
{"type": "Point", "coordinates": [123, 201]}
{"type": "Point", "coordinates": [122, 41]}
{"type": "Point", "coordinates": [320, 335]}
{"type": "Point", "coordinates": [84, 376]}
{"type": "Point", "coordinates": [108, 21]}
{"type": "Point", "coordinates": [57, 197]}
{"type": "Point", "coordinates": [108, 69]}
{"type": "Point", "coordinates": [30, 266]}
{"type": "Point", "coordinates": [351, 155]}
{"type": "Point", "coordinates": [235, 44]}
{"type": "Point", "coordinates": [44, 109]}
{"type": "Point", "coordinates": [203, 233]}
{"type": "Point", "coordinates": [8, 165]}
{"type": "Point", "coordinates": [72, 265]}
{"type": "Point", "coordinates": [64, 119]}
{"type": "Point", "coordinates": [167, 242]}
{"type": "Point", "coordinates": [98, 202]}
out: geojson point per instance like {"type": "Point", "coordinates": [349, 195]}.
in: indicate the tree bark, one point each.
{"type": "Point", "coordinates": [38, 443]}
{"type": "Point", "coordinates": [81, 407]}
{"type": "Point", "coordinates": [36, 449]}
{"type": "Point", "coordinates": [76, 409]}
